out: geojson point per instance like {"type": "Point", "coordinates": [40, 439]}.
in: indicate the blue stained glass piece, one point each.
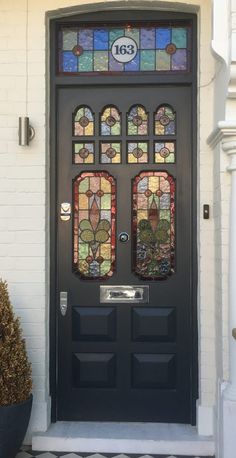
{"type": "Point", "coordinates": [115, 66]}
{"type": "Point", "coordinates": [85, 39]}
{"type": "Point", "coordinates": [147, 38]}
{"type": "Point", "coordinates": [133, 65]}
{"type": "Point", "coordinates": [170, 128]}
{"type": "Point", "coordinates": [101, 39]}
{"type": "Point", "coordinates": [162, 38]}
{"type": "Point", "coordinates": [142, 185]}
{"type": "Point", "coordinates": [179, 60]}
{"type": "Point", "coordinates": [70, 62]}
{"type": "Point", "coordinates": [165, 201]}
{"type": "Point", "coordinates": [105, 130]}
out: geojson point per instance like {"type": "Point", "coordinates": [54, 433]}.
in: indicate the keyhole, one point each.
{"type": "Point", "coordinates": [123, 237]}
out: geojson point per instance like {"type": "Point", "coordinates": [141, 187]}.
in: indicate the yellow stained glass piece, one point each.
{"type": "Point", "coordinates": [105, 251]}
{"type": "Point", "coordinates": [153, 183]}
{"type": "Point", "coordinates": [159, 129]}
{"type": "Point", "coordinates": [89, 129]}
{"type": "Point", "coordinates": [142, 214]}
{"type": "Point", "coordinates": [83, 201]}
{"type": "Point", "coordinates": [116, 159]}
{"type": "Point", "coordinates": [132, 159]}
{"type": "Point", "coordinates": [105, 185]}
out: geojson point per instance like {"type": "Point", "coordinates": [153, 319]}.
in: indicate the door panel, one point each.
{"type": "Point", "coordinates": [122, 360]}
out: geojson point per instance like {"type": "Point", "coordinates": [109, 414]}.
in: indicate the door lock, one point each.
{"type": "Point", "coordinates": [123, 237]}
{"type": "Point", "coordinates": [65, 213]}
{"type": "Point", "coordinates": [63, 302]}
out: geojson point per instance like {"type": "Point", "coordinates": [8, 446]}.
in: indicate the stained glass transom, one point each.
{"type": "Point", "coordinates": [110, 121]}
{"type": "Point", "coordinates": [83, 122]}
{"type": "Point", "coordinates": [94, 225]}
{"type": "Point", "coordinates": [156, 48]}
{"type": "Point", "coordinates": [110, 153]}
{"type": "Point", "coordinates": [154, 225]}
{"type": "Point", "coordinates": [137, 152]}
{"type": "Point", "coordinates": [84, 153]}
{"type": "Point", "coordinates": [137, 121]}
{"type": "Point", "coordinates": [165, 121]}
{"type": "Point", "coordinates": [165, 152]}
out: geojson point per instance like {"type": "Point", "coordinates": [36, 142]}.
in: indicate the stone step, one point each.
{"type": "Point", "coordinates": [124, 438]}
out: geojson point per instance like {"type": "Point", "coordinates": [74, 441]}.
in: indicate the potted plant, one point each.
{"type": "Point", "coordinates": [15, 380]}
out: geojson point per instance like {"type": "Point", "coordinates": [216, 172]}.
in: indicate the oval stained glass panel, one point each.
{"type": "Point", "coordinates": [165, 120]}
{"type": "Point", "coordinates": [94, 225]}
{"type": "Point", "coordinates": [137, 121]}
{"type": "Point", "coordinates": [154, 225]}
{"type": "Point", "coordinates": [83, 121]}
{"type": "Point", "coordinates": [110, 121]}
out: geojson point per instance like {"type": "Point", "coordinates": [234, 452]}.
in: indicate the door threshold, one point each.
{"type": "Point", "coordinates": [114, 437]}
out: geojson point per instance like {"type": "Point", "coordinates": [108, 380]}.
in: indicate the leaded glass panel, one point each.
{"type": "Point", "coordinates": [165, 121]}
{"type": "Point", "coordinates": [110, 153]}
{"type": "Point", "coordinates": [94, 225]}
{"type": "Point", "coordinates": [154, 225]}
{"type": "Point", "coordinates": [125, 48]}
{"type": "Point", "coordinates": [83, 121]}
{"type": "Point", "coordinates": [83, 153]}
{"type": "Point", "coordinates": [110, 121]}
{"type": "Point", "coordinates": [137, 120]}
{"type": "Point", "coordinates": [165, 152]}
{"type": "Point", "coordinates": [137, 152]}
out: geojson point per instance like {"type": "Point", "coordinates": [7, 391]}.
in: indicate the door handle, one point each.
{"type": "Point", "coordinates": [63, 302]}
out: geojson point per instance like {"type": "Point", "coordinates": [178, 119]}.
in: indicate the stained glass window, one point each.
{"type": "Point", "coordinates": [125, 48]}
{"type": "Point", "coordinates": [83, 121]}
{"type": "Point", "coordinates": [137, 121]}
{"type": "Point", "coordinates": [165, 152]}
{"type": "Point", "coordinates": [110, 121]}
{"type": "Point", "coordinates": [154, 225]}
{"type": "Point", "coordinates": [165, 120]}
{"type": "Point", "coordinates": [110, 153]}
{"type": "Point", "coordinates": [137, 152]}
{"type": "Point", "coordinates": [84, 153]}
{"type": "Point", "coordinates": [94, 225]}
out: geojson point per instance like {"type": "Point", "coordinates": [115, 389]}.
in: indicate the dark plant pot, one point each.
{"type": "Point", "coordinates": [14, 420]}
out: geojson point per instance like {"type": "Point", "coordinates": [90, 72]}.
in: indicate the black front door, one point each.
{"type": "Point", "coordinates": [124, 253]}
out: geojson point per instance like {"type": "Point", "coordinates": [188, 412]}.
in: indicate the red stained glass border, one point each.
{"type": "Point", "coordinates": [76, 183]}
{"type": "Point", "coordinates": [135, 182]}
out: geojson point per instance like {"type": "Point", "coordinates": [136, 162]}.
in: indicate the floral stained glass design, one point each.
{"type": "Point", "coordinates": [154, 225]}
{"type": "Point", "coordinates": [94, 225]}
{"type": "Point", "coordinates": [165, 152]}
{"type": "Point", "coordinates": [110, 153]}
{"type": "Point", "coordinates": [160, 48]}
{"type": "Point", "coordinates": [137, 152]}
{"type": "Point", "coordinates": [83, 153]}
{"type": "Point", "coordinates": [165, 121]}
{"type": "Point", "coordinates": [83, 122]}
{"type": "Point", "coordinates": [110, 121]}
{"type": "Point", "coordinates": [137, 121]}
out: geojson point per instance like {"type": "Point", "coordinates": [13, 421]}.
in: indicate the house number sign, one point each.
{"type": "Point", "coordinates": [124, 49]}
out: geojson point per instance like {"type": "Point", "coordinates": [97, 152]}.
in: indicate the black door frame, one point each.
{"type": "Point", "coordinates": [57, 81]}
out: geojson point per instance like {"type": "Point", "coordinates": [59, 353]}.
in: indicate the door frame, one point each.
{"type": "Point", "coordinates": [60, 81]}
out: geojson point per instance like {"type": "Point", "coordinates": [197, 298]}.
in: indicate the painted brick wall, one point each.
{"type": "Point", "coordinates": [23, 200]}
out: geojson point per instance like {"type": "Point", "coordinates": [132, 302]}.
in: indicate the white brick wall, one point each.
{"type": "Point", "coordinates": [23, 226]}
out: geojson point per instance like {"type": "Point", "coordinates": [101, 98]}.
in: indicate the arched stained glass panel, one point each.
{"type": "Point", "coordinates": [137, 121]}
{"type": "Point", "coordinates": [83, 121]}
{"type": "Point", "coordinates": [94, 225]}
{"type": "Point", "coordinates": [154, 225]}
{"type": "Point", "coordinates": [165, 121]}
{"type": "Point", "coordinates": [110, 121]}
